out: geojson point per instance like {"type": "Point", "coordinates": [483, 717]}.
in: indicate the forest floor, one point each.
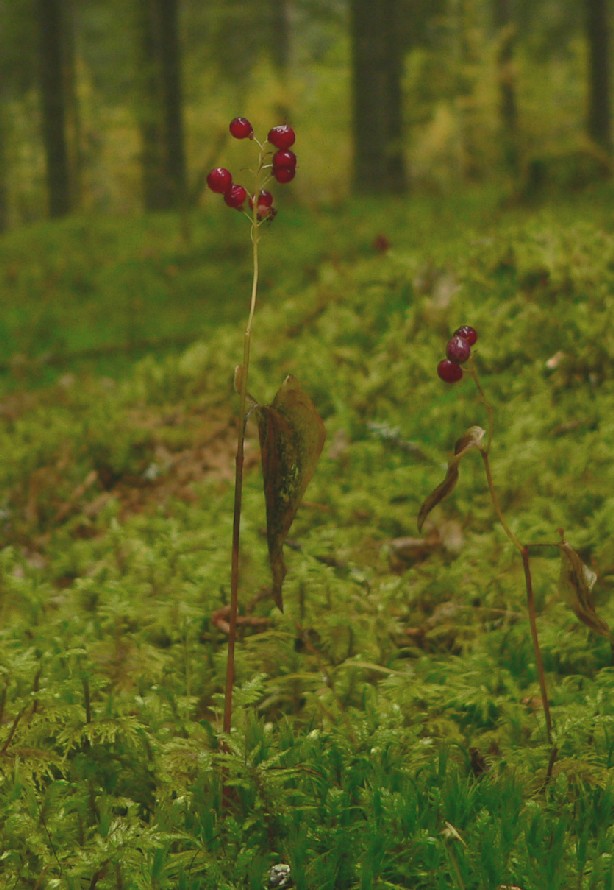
{"type": "Point", "coordinates": [388, 727]}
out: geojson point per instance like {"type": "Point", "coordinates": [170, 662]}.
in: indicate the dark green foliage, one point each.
{"type": "Point", "coordinates": [388, 732]}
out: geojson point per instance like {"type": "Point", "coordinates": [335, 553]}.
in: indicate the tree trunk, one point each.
{"type": "Point", "coordinates": [599, 123]}
{"type": "Point", "coordinates": [170, 59]}
{"type": "Point", "coordinates": [58, 104]}
{"type": "Point", "coordinates": [508, 110]}
{"type": "Point", "coordinates": [280, 49]}
{"type": "Point", "coordinates": [467, 16]}
{"type": "Point", "coordinates": [4, 211]}
{"type": "Point", "coordinates": [160, 105]}
{"type": "Point", "coordinates": [377, 62]}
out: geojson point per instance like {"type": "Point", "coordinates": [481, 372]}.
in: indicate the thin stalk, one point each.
{"type": "Point", "coordinates": [489, 409]}
{"type": "Point", "coordinates": [484, 452]}
{"type": "Point", "coordinates": [238, 493]}
{"type": "Point", "coordinates": [497, 506]}
{"type": "Point", "coordinates": [538, 655]}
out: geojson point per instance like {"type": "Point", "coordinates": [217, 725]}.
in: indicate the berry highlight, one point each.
{"type": "Point", "coordinates": [284, 174]}
{"type": "Point", "coordinates": [458, 349]}
{"type": "Point", "coordinates": [236, 196]}
{"type": "Point", "coordinates": [284, 158]}
{"type": "Point", "coordinates": [241, 128]}
{"type": "Point", "coordinates": [219, 180]}
{"type": "Point", "coordinates": [467, 333]}
{"type": "Point", "coordinates": [282, 136]}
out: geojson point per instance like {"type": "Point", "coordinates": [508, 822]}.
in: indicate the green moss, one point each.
{"type": "Point", "coordinates": [388, 731]}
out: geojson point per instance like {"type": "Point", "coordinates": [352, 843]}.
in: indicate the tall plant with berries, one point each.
{"type": "Point", "coordinates": [576, 580]}
{"type": "Point", "coordinates": [290, 429]}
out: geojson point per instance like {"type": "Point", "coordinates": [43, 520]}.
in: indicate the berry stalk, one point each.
{"type": "Point", "coordinates": [238, 492]}
{"type": "Point", "coordinates": [543, 689]}
{"type": "Point", "coordinates": [489, 409]}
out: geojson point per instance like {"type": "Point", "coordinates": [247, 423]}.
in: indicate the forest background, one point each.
{"type": "Point", "coordinates": [114, 106]}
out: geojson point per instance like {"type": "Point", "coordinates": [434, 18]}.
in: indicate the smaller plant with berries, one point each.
{"type": "Point", "coordinates": [458, 351]}
{"type": "Point", "coordinates": [576, 579]}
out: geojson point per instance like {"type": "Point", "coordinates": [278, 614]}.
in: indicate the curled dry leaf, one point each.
{"type": "Point", "coordinates": [576, 583]}
{"type": "Point", "coordinates": [472, 438]}
{"type": "Point", "coordinates": [292, 436]}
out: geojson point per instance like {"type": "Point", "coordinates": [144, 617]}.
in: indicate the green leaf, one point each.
{"type": "Point", "coordinates": [292, 436]}
{"type": "Point", "coordinates": [472, 438]}
{"type": "Point", "coordinates": [576, 583]}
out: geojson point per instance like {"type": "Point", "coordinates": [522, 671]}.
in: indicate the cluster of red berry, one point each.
{"type": "Point", "coordinates": [458, 350]}
{"type": "Point", "coordinates": [283, 169]}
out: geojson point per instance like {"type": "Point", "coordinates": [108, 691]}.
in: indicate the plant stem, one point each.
{"type": "Point", "coordinates": [524, 552]}
{"type": "Point", "coordinates": [484, 452]}
{"type": "Point", "coordinates": [238, 493]}
{"type": "Point", "coordinates": [489, 409]}
{"type": "Point", "coordinates": [538, 655]}
{"type": "Point", "coordinates": [497, 506]}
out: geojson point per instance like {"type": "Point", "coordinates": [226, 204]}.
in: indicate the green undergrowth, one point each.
{"type": "Point", "coordinates": [388, 728]}
{"type": "Point", "coordinates": [93, 294]}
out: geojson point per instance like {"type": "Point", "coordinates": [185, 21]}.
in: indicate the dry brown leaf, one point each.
{"type": "Point", "coordinates": [469, 440]}
{"type": "Point", "coordinates": [576, 584]}
{"type": "Point", "coordinates": [292, 436]}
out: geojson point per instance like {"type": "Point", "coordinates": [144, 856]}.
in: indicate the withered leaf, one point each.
{"type": "Point", "coordinates": [472, 438]}
{"type": "Point", "coordinates": [576, 584]}
{"type": "Point", "coordinates": [292, 436]}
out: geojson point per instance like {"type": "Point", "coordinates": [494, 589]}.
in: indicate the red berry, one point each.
{"type": "Point", "coordinates": [264, 211]}
{"type": "Point", "coordinates": [219, 180]}
{"type": "Point", "coordinates": [264, 197]}
{"type": "Point", "coordinates": [284, 158]}
{"type": "Point", "coordinates": [241, 128]}
{"type": "Point", "coordinates": [284, 174]}
{"type": "Point", "coordinates": [236, 196]}
{"type": "Point", "coordinates": [282, 136]}
{"type": "Point", "coordinates": [458, 349]}
{"type": "Point", "coordinates": [467, 333]}
{"type": "Point", "coordinates": [381, 243]}
{"type": "Point", "coordinates": [449, 371]}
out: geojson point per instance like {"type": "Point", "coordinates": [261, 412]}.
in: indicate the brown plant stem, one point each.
{"type": "Point", "coordinates": [524, 552]}
{"type": "Point", "coordinates": [489, 409]}
{"type": "Point", "coordinates": [497, 506]}
{"type": "Point", "coordinates": [238, 491]}
{"type": "Point", "coordinates": [538, 655]}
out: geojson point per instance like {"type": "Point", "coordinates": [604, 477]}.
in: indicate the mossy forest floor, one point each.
{"type": "Point", "coordinates": [388, 730]}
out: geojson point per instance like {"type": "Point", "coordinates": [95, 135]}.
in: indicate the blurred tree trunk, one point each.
{"type": "Point", "coordinates": [4, 211]}
{"type": "Point", "coordinates": [599, 124]}
{"type": "Point", "coordinates": [466, 14]}
{"type": "Point", "coordinates": [161, 105]}
{"type": "Point", "coordinates": [280, 50]}
{"type": "Point", "coordinates": [377, 97]}
{"type": "Point", "coordinates": [59, 104]}
{"type": "Point", "coordinates": [508, 109]}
